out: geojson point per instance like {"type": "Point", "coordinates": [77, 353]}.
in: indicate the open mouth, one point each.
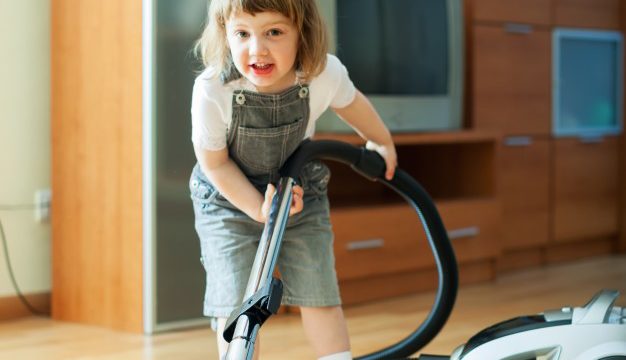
{"type": "Point", "coordinates": [262, 69]}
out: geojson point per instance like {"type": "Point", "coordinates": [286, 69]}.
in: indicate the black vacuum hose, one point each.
{"type": "Point", "coordinates": [372, 166]}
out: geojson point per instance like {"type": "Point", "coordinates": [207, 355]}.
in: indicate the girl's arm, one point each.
{"type": "Point", "coordinates": [230, 181]}
{"type": "Point", "coordinates": [362, 116]}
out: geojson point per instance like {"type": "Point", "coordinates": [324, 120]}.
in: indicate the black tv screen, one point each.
{"type": "Point", "coordinates": [394, 47]}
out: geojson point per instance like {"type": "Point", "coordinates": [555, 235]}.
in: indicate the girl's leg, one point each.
{"type": "Point", "coordinates": [325, 327]}
{"type": "Point", "coordinates": [222, 345]}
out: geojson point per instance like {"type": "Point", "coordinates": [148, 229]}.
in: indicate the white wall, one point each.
{"type": "Point", "coordinates": [24, 140]}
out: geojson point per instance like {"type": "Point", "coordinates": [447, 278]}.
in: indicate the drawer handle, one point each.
{"type": "Point", "coordinates": [365, 244]}
{"type": "Point", "coordinates": [522, 29]}
{"type": "Point", "coordinates": [518, 141]}
{"type": "Point", "coordinates": [469, 231]}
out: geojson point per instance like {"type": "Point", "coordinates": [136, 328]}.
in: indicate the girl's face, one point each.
{"type": "Point", "coordinates": [264, 48]}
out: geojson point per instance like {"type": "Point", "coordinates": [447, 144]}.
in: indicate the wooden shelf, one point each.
{"type": "Point", "coordinates": [418, 138]}
{"type": "Point", "coordinates": [448, 165]}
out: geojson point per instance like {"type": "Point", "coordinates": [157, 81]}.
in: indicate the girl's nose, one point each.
{"type": "Point", "coordinates": [258, 46]}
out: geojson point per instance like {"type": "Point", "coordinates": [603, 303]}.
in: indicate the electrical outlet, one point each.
{"type": "Point", "coordinates": [42, 205]}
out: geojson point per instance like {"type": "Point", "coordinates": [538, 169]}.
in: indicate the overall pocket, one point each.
{"type": "Point", "coordinates": [266, 149]}
{"type": "Point", "coordinates": [201, 192]}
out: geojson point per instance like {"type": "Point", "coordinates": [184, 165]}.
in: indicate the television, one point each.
{"type": "Point", "coordinates": [406, 56]}
{"type": "Point", "coordinates": [587, 82]}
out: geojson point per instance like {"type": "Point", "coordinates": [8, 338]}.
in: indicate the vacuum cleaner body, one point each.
{"type": "Point", "coordinates": [596, 331]}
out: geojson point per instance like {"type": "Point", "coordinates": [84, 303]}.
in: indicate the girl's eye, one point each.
{"type": "Point", "coordinates": [241, 34]}
{"type": "Point", "coordinates": [274, 32]}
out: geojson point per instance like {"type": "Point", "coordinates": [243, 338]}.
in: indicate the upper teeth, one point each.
{"type": "Point", "coordinates": [262, 65]}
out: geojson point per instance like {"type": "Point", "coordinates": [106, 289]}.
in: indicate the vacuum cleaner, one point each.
{"type": "Point", "coordinates": [595, 331]}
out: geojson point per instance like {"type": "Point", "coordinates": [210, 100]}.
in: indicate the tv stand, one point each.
{"type": "Point", "coordinates": [379, 241]}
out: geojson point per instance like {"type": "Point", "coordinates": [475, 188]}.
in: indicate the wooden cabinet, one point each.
{"type": "Point", "coordinates": [511, 94]}
{"type": "Point", "coordinates": [524, 183]}
{"type": "Point", "coordinates": [517, 11]}
{"type": "Point", "coordinates": [586, 192]}
{"type": "Point", "coordinates": [97, 163]}
{"type": "Point", "coordinates": [552, 191]}
{"type": "Point", "coordinates": [511, 91]}
{"type": "Point", "coordinates": [379, 238]}
{"type": "Point", "coordinates": [601, 14]}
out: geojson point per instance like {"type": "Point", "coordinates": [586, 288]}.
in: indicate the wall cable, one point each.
{"type": "Point", "coordinates": [7, 259]}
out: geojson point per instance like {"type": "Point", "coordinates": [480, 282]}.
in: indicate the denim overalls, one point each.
{"type": "Point", "coordinates": [264, 131]}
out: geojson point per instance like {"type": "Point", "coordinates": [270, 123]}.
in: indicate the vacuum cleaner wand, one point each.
{"type": "Point", "coordinates": [263, 292]}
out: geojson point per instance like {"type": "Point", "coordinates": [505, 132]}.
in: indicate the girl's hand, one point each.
{"type": "Point", "coordinates": [296, 201]}
{"type": "Point", "coordinates": [388, 152]}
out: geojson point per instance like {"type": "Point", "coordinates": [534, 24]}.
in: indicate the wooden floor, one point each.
{"type": "Point", "coordinates": [371, 326]}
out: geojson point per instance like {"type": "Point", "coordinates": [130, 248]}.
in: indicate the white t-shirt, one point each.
{"type": "Point", "coordinates": [211, 104]}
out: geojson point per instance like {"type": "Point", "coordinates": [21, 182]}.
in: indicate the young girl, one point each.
{"type": "Point", "coordinates": [268, 77]}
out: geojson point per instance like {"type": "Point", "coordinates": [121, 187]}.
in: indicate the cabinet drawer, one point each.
{"type": "Point", "coordinates": [378, 240]}
{"type": "Point", "coordinates": [520, 11]}
{"type": "Point", "coordinates": [389, 239]}
{"type": "Point", "coordinates": [472, 227]}
{"type": "Point", "coordinates": [586, 192]}
{"type": "Point", "coordinates": [511, 86]}
{"type": "Point", "coordinates": [601, 14]}
{"type": "Point", "coordinates": [524, 179]}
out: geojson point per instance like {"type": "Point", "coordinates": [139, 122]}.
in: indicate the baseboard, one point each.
{"type": "Point", "coordinates": [571, 251]}
{"type": "Point", "coordinates": [372, 288]}
{"type": "Point", "coordinates": [520, 259]}
{"type": "Point", "coordinates": [11, 307]}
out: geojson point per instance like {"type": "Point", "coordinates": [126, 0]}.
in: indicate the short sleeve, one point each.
{"type": "Point", "coordinates": [345, 90]}
{"type": "Point", "coordinates": [208, 125]}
